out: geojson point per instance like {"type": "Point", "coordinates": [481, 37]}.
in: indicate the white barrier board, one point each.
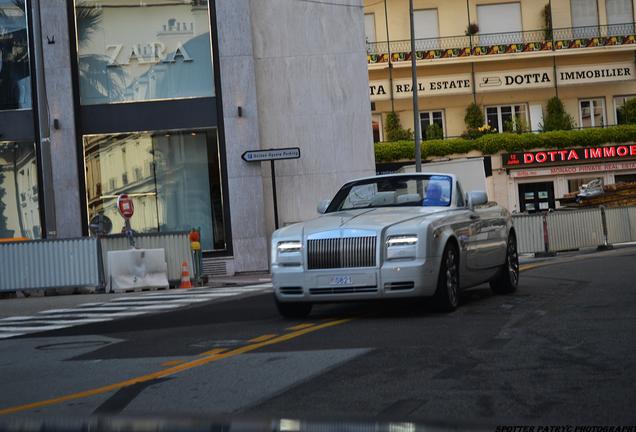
{"type": "Point", "coordinates": [137, 269]}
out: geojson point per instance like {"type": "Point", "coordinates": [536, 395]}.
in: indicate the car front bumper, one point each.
{"type": "Point", "coordinates": [395, 279]}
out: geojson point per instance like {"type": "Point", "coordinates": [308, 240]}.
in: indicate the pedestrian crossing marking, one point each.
{"type": "Point", "coordinates": [117, 308]}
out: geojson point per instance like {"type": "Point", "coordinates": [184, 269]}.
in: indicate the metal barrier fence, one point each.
{"type": "Point", "coordinates": [567, 230]}
{"type": "Point", "coordinates": [82, 262]}
{"type": "Point", "coordinates": [176, 245]}
{"type": "Point", "coordinates": [44, 264]}
{"type": "Point", "coordinates": [529, 229]}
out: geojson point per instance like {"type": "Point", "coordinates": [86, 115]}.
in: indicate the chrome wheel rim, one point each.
{"type": "Point", "coordinates": [452, 281]}
{"type": "Point", "coordinates": [513, 261]}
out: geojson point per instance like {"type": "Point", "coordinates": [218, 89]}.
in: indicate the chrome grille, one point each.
{"type": "Point", "coordinates": [343, 290]}
{"type": "Point", "coordinates": [345, 252]}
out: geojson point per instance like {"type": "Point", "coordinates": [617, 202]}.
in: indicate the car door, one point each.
{"type": "Point", "coordinates": [471, 240]}
{"type": "Point", "coordinates": [492, 234]}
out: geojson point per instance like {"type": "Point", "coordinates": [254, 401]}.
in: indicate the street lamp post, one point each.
{"type": "Point", "coordinates": [416, 109]}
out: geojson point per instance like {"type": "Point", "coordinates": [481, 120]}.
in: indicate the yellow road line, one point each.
{"type": "Point", "coordinates": [263, 338]}
{"type": "Point", "coordinates": [172, 362]}
{"type": "Point", "coordinates": [526, 267]}
{"type": "Point", "coordinates": [301, 326]}
{"type": "Point", "coordinates": [212, 351]}
{"type": "Point", "coordinates": [171, 370]}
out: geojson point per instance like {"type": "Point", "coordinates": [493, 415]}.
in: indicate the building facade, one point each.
{"type": "Point", "coordinates": [159, 99]}
{"type": "Point", "coordinates": [510, 58]}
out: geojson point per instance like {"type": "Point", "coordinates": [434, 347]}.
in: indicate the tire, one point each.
{"type": "Point", "coordinates": [507, 279]}
{"type": "Point", "coordinates": [446, 298]}
{"type": "Point", "coordinates": [294, 309]}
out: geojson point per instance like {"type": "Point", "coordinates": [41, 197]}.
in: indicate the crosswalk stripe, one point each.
{"type": "Point", "coordinates": [34, 329]}
{"type": "Point", "coordinates": [57, 322]}
{"type": "Point", "coordinates": [105, 309]}
{"type": "Point", "coordinates": [79, 316]}
{"type": "Point", "coordinates": [9, 335]}
{"type": "Point", "coordinates": [119, 307]}
{"type": "Point", "coordinates": [158, 307]}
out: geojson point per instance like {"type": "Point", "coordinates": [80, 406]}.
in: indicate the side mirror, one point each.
{"type": "Point", "coordinates": [476, 198]}
{"type": "Point", "coordinates": [322, 206]}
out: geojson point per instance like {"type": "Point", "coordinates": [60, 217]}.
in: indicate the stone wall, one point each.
{"type": "Point", "coordinates": [312, 89]}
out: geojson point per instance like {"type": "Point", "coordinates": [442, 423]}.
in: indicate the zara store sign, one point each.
{"type": "Point", "coordinates": [145, 53]}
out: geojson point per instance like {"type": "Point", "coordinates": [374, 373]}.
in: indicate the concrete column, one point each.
{"type": "Point", "coordinates": [59, 88]}
{"type": "Point", "coordinates": [312, 89]}
{"type": "Point", "coordinates": [245, 182]}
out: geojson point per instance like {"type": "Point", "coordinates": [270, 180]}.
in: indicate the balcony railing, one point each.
{"type": "Point", "coordinates": [483, 44]}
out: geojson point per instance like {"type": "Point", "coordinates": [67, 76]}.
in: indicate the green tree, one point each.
{"type": "Point", "coordinates": [394, 130]}
{"type": "Point", "coordinates": [627, 112]}
{"type": "Point", "coordinates": [474, 117]}
{"type": "Point", "coordinates": [434, 131]}
{"type": "Point", "coordinates": [556, 117]}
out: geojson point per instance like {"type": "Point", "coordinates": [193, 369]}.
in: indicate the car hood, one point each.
{"type": "Point", "coordinates": [376, 219]}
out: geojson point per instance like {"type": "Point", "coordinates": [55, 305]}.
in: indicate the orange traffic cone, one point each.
{"type": "Point", "coordinates": [185, 276]}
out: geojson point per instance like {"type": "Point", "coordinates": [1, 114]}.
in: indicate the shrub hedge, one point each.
{"type": "Point", "coordinates": [508, 142]}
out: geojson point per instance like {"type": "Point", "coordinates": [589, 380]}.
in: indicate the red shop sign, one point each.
{"type": "Point", "coordinates": [569, 156]}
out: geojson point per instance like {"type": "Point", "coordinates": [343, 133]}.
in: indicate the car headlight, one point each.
{"type": "Point", "coordinates": [401, 247]}
{"type": "Point", "coordinates": [401, 240]}
{"type": "Point", "coordinates": [286, 247]}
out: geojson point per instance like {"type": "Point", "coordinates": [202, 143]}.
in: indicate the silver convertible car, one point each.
{"type": "Point", "coordinates": [395, 236]}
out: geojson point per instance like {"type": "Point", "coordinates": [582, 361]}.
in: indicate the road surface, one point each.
{"type": "Point", "coordinates": [559, 351]}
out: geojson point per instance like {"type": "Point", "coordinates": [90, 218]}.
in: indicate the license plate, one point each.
{"type": "Point", "coordinates": [341, 280]}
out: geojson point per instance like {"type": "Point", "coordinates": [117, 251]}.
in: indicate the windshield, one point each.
{"type": "Point", "coordinates": [395, 191]}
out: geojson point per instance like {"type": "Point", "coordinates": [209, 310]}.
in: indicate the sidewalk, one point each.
{"type": "Point", "coordinates": [69, 298]}
{"type": "Point", "coordinates": [242, 279]}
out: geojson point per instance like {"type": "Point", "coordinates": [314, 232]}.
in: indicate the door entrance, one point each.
{"type": "Point", "coordinates": [536, 197]}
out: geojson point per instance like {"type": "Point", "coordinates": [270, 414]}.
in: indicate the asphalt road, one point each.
{"type": "Point", "coordinates": [562, 350]}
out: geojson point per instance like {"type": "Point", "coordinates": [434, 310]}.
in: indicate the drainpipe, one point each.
{"type": "Point", "coordinates": [43, 125]}
{"type": "Point", "coordinates": [388, 48]}
{"type": "Point", "coordinates": [472, 64]}
{"type": "Point", "coordinates": [554, 65]}
{"type": "Point", "coordinates": [416, 109]}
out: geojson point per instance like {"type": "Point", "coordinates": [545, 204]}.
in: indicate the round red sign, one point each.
{"type": "Point", "coordinates": [125, 206]}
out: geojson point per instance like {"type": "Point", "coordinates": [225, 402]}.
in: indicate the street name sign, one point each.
{"type": "Point", "coordinates": [271, 154]}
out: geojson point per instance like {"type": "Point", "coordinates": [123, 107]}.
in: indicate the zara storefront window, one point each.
{"type": "Point", "coordinates": [172, 177]}
{"type": "Point", "coordinates": [19, 205]}
{"type": "Point", "coordinates": [19, 195]}
{"type": "Point", "coordinates": [132, 52]}
{"type": "Point", "coordinates": [142, 51]}
{"type": "Point", "coordinates": [15, 74]}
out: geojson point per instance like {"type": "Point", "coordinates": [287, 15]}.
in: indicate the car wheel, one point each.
{"type": "Point", "coordinates": [293, 309]}
{"type": "Point", "coordinates": [507, 279]}
{"type": "Point", "coordinates": [447, 294]}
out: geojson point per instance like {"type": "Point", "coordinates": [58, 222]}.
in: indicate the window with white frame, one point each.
{"type": "Point", "coordinates": [499, 23]}
{"type": "Point", "coordinates": [620, 17]}
{"type": "Point", "coordinates": [426, 29]}
{"type": "Point", "coordinates": [592, 113]}
{"type": "Point", "coordinates": [376, 126]}
{"type": "Point", "coordinates": [369, 27]}
{"type": "Point", "coordinates": [428, 118]}
{"type": "Point", "coordinates": [618, 104]}
{"type": "Point", "coordinates": [507, 118]}
{"type": "Point", "coordinates": [584, 18]}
